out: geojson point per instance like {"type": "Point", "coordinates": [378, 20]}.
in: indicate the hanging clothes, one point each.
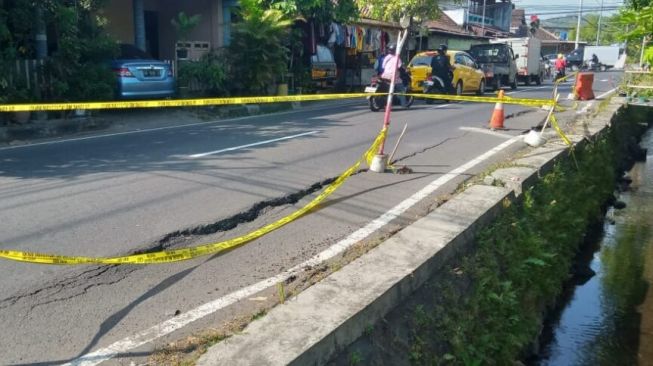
{"type": "Point", "coordinates": [360, 38]}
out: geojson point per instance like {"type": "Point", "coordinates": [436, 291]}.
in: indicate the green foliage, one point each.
{"type": "Point", "coordinates": [493, 309]}
{"type": "Point", "coordinates": [611, 30]}
{"type": "Point", "coordinates": [393, 10]}
{"type": "Point", "coordinates": [258, 49]}
{"type": "Point", "coordinates": [78, 69]}
{"type": "Point", "coordinates": [208, 75]}
{"type": "Point", "coordinates": [638, 4]}
{"type": "Point", "coordinates": [184, 24]}
{"type": "Point", "coordinates": [320, 10]}
{"type": "Point", "coordinates": [638, 23]}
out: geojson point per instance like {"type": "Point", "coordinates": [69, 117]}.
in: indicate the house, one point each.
{"type": "Point", "coordinates": [146, 23]}
{"type": "Point", "coordinates": [445, 30]}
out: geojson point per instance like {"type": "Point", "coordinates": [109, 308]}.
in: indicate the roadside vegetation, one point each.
{"type": "Point", "coordinates": [487, 307]}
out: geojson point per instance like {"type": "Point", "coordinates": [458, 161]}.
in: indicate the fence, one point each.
{"type": "Point", "coordinates": [27, 73]}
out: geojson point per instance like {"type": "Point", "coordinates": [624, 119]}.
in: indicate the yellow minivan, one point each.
{"type": "Point", "coordinates": [467, 76]}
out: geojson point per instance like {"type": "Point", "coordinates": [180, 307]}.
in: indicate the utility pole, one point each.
{"type": "Point", "coordinates": [469, 9]}
{"type": "Point", "coordinates": [580, 15]}
{"type": "Point", "coordinates": [598, 30]}
{"type": "Point", "coordinates": [483, 20]}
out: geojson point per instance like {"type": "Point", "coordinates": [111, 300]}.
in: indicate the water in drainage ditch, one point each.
{"type": "Point", "coordinates": [608, 320]}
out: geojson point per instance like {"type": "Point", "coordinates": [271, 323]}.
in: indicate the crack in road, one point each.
{"type": "Point", "coordinates": [44, 295]}
{"type": "Point", "coordinates": [430, 147]}
{"type": "Point", "coordinates": [243, 217]}
{"type": "Point", "coordinates": [71, 283]}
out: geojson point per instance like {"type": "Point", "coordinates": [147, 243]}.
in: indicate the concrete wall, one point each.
{"type": "Point", "coordinates": [120, 15]}
{"type": "Point", "coordinates": [121, 24]}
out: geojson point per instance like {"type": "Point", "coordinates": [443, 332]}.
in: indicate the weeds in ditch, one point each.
{"type": "Point", "coordinates": [491, 310]}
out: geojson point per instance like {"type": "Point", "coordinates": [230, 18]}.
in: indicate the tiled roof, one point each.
{"type": "Point", "coordinates": [545, 35]}
{"type": "Point", "coordinates": [445, 24]}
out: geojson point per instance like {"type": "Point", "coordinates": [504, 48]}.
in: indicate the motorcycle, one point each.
{"type": "Point", "coordinates": [593, 66]}
{"type": "Point", "coordinates": [379, 85]}
{"type": "Point", "coordinates": [434, 85]}
{"type": "Point", "coordinates": [560, 74]}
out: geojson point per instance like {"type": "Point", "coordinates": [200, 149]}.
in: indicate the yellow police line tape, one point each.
{"type": "Point", "coordinates": [202, 102]}
{"type": "Point", "coordinates": [246, 100]}
{"type": "Point", "coordinates": [506, 100]}
{"type": "Point", "coordinates": [176, 255]}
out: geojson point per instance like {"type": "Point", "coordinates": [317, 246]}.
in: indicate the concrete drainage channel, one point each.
{"type": "Point", "coordinates": [315, 326]}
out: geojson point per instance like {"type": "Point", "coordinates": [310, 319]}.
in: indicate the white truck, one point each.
{"type": "Point", "coordinates": [607, 55]}
{"type": "Point", "coordinates": [528, 58]}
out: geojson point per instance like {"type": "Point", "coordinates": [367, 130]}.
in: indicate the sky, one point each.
{"type": "Point", "coordinates": [558, 8]}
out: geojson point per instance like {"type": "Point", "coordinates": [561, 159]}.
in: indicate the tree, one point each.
{"type": "Point", "coordinates": [393, 10]}
{"type": "Point", "coordinates": [319, 10]}
{"type": "Point", "coordinates": [258, 48]}
{"type": "Point", "coordinates": [610, 30]}
{"type": "Point", "coordinates": [638, 4]}
{"type": "Point", "coordinates": [638, 22]}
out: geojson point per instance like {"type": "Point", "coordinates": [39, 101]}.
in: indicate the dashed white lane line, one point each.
{"type": "Point", "coordinates": [169, 326]}
{"type": "Point", "coordinates": [194, 156]}
{"type": "Point", "coordinates": [487, 132]}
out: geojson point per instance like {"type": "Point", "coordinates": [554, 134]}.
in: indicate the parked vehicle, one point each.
{"type": "Point", "coordinates": [141, 76]}
{"type": "Point", "coordinates": [467, 76]}
{"type": "Point", "coordinates": [498, 64]}
{"type": "Point", "coordinates": [323, 67]}
{"type": "Point", "coordinates": [377, 103]}
{"type": "Point", "coordinates": [575, 59]}
{"type": "Point", "coordinates": [527, 58]}
{"type": "Point", "coordinates": [607, 55]}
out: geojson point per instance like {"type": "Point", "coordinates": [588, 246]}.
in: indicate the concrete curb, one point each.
{"type": "Point", "coordinates": [324, 319]}
{"type": "Point", "coordinates": [331, 314]}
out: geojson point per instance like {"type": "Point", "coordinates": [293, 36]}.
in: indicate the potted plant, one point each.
{"type": "Point", "coordinates": [184, 24]}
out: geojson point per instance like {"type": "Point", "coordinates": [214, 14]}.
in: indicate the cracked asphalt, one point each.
{"type": "Point", "coordinates": [119, 194]}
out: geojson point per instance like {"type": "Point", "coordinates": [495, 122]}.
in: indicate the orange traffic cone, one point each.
{"type": "Point", "coordinates": [496, 122]}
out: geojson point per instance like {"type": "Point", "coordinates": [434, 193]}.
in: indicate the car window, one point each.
{"type": "Point", "coordinates": [488, 54]}
{"type": "Point", "coordinates": [323, 54]}
{"type": "Point", "coordinates": [131, 52]}
{"type": "Point", "coordinates": [422, 60]}
{"type": "Point", "coordinates": [459, 59]}
{"type": "Point", "coordinates": [468, 61]}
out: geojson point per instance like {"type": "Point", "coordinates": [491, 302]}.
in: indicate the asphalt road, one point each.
{"type": "Point", "coordinates": [115, 194]}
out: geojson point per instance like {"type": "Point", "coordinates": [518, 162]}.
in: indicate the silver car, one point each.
{"type": "Point", "coordinates": [139, 76]}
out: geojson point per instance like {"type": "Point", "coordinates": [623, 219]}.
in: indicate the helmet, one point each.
{"type": "Point", "coordinates": [392, 48]}
{"type": "Point", "coordinates": [560, 56]}
{"type": "Point", "coordinates": [443, 48]}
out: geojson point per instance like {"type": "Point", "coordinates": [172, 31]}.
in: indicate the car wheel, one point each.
{"type": "Point", "coordinates": [459, 88]}
{"type": "Point", "coordinates": [481, 88]}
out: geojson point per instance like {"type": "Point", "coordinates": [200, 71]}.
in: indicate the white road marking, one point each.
{"type": "Point", "coordinates": [606, 93]}
{"type": "Point", "coordinates": [487, 132]}
{"type": "Point", "coordinates": [603, 80]}
{"type": "Point", "coordinates": [160, 330]}
{"type": "Point", "coordinates": [194, 156]}
{"type": "Point", "coordinates": [306, 109]}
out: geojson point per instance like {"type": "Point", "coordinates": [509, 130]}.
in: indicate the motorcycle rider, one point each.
{"type": "Point", "coordinates": [388, 62]}
{"type": "Point", "coordinates": [441, 67]}
{"type": "Point", "coordinates": [594, 62]}
{"type": "Point", "coordinates": [560, 66]}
